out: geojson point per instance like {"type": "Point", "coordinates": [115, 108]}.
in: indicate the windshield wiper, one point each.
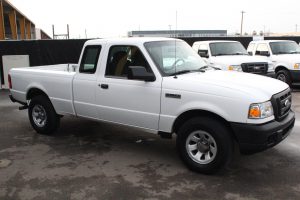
{"type": "Point", "coordinates": [187, 71]}
{"type": "Point", "coordinates": [282, 52]}
{"type": "Point", "coordinates": [206, 67]}
{"type": "Point", "coordinates": [181, 72]}
{"type": "Point", "coordinates": [239, 53]}
{"type": "Point", "coordinates": [220, 54]}
{"type": "Point", "coordinates": [294, 52]}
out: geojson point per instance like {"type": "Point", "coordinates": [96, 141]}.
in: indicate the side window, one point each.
{"type": "Point", "coordinates": [262, 49]}
{"type": "Point", "coordinates": [121, 57]}
{"type": "Point", "coordinates": [89, 59]}
{"type": "Point", "coordinates": [250, 49]}
{"type": "Point", "coordinates": [203, 50]}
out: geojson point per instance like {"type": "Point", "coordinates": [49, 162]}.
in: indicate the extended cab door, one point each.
{"type": "Point", "coordinates": [124, 101]}
{"type": "Point", "coordinates": [85, 82]}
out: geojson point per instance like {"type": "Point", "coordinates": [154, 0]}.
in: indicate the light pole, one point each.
{"type": "Point", "coordinates": [170, 29]}
{"type": "Point", "coordinates": [242, 21]}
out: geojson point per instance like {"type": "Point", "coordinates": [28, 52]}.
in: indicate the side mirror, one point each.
{"type": "Point", "coordinates": [203, 53]}
{"type": "Point", "coordinates": [140, 73]}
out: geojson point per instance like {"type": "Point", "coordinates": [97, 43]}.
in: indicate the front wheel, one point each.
{"type": "Point", "coordinates": [205, 145]}
{"type": "Point", "coordinates": [284, 75]}
{"type": "Point", "coordinates": [42, 115]}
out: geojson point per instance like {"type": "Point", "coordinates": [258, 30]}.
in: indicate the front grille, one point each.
{"type": "Point", "coordinates": [256, 68]}
{"type": "Point", "coordinates": [282, 103]}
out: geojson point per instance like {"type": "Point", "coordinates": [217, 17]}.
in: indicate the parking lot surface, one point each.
{"type": "Point", "coordinates": [94, 160]}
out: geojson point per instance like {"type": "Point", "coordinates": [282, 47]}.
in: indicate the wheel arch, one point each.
{"type": "Point", "coordinates": [281, 67]}
{"type": "Point", "coordinates": [34, 91]}
{"type": "Point", "coordinates": [182, 118]}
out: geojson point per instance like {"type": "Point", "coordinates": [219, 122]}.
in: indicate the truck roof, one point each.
{"type": "Point", "coordinates": [214, 41]}
{"type": "Point", "coordinates": [268, 41]}
{"type": "Point", "coordinates": [130, 40]}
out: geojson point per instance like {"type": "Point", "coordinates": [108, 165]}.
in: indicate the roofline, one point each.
{"type": "Point", "coordinates": [266, 41]}
{"type": "Point", "coordinates": [132, 39]}
{"type": "Point", "coordinates": [215, 41]}
{"type": "Point", "coordinates": [17, 10]}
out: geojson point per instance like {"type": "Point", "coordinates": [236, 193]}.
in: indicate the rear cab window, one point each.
{"type": "Point", "coordinates": [90, 59]}
{"type": "Point", "coordinates": [203, 49]}
{"type": "Point", "coordinates": [262, 49]}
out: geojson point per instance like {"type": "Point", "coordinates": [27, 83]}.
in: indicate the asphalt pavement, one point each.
{"type": "Point", "coordinates": [93, 160]}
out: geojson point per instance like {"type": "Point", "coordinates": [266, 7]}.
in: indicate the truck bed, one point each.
{"type": "Point", "coordinates": [49, 78]}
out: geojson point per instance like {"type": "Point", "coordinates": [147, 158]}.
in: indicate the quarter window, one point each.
{"type": "Point", "coordinates": [89, 59]}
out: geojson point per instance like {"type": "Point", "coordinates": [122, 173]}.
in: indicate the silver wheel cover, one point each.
{"type": "Point", "coordinates": [201, 147]}
{"type": "Point", "coordinates": [39, 116]}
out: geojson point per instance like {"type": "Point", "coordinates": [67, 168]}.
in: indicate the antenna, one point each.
{"type": "Point", "coordinates": [175, 35]}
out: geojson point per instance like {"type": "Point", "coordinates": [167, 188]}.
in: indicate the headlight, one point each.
{"type": "Point", "coordinates": [296, 66]}
{"type": "Point", "coordinates": [260, 110]}
{"type": "Point", "coordinates": [271, 67]}
{"type": "Point", "coordinates": [235, 68]}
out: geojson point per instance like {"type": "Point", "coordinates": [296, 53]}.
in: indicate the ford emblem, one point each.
{"type": "Point", "coordinates": [286, 103]}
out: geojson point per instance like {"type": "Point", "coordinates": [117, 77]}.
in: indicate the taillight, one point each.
{"type": "Point", "coordinates": [9, 82]}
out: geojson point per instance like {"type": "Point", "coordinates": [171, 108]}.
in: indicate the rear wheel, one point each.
{"type": "Point", "coordinates": [284, 75]}
{"type": "Point", "coordinates": [205, 145]}
{"type": "Point", "coordinates": [42, 115]}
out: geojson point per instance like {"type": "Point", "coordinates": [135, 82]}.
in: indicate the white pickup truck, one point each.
{"type": "Point", "coordinates": [160, 85]}
{"type": "Point", "coordinates": [285, 55]}
{"type": "Point", "coordinates": [232, 56]}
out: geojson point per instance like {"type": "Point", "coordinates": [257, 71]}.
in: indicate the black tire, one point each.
{"type": "Point", "coordinates": [221, 138]}
{"type": "Point", "coordinates": [284, 75]}
{"type": "Point", "coordinates": [50, 120]}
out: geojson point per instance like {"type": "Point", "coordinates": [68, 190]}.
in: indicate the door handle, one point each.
{"type": "Point", "coordinates": [103, 86]}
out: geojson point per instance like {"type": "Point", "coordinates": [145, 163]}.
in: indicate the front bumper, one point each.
{"type": "Point", "coordinates": [258, 137]}
{"type": "Point", "coordinates": [295, 75]}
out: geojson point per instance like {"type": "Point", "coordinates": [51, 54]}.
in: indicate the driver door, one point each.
{"type": "Point", "coordinates": [124, 101]}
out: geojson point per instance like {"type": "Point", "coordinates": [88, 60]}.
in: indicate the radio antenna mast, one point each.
{"type": "Point", "coordinates": [175, 36]}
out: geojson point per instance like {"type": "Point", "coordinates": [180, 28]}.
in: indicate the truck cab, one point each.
{"type": "Point", "coordinates": [232, 56]}
{"type": "Point", "coordinates": [284, 54]}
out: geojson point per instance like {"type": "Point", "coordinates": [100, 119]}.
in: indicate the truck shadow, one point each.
{"type": "Point", "coordinates": [296, 88]}
{"type": "Point", "coordinates": [91, 137]}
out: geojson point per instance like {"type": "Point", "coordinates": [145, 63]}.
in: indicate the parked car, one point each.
{"type": "Point", "coordinates": [232, 56]}
{"type": "Point", "coordinates": [163, 86]}
{"type": "Point", "coordinates": [285, 55]}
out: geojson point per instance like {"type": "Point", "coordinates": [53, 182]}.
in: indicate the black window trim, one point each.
{"type": "Point", "coordinates": [122, 77]}
{"type": "Point", "coordinates": [84, 55]}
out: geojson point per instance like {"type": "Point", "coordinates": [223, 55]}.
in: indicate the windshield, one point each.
{"type": "Point", "coordinates": [184, 59]}
{"type": "Point", "coordinates": [227, 48]}
{"type": "Point", "coordinates": [285, 47]}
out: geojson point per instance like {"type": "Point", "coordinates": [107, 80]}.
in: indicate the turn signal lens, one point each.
{"type": "Point", "coordinates": [254, 112]}
{"type": "Point", "coordinates": [296, 66]}
{"type": "Point", "coordinates": [230, 68]}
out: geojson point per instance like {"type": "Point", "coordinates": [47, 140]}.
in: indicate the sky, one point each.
{"type": "Point", "coordinates": [114, 18]}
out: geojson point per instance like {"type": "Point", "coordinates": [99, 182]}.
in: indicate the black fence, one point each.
{"type": "Point", "coordinates": [50, 52]}
{"type": "Point", "coordinates": [42, 52]}
{"type": "Point", "coordinates": [244, 40]}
